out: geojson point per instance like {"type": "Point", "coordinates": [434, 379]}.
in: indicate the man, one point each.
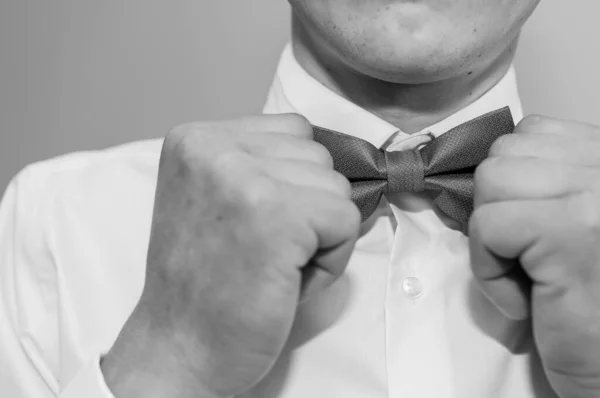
{"type": "Point", "coordinates": [249, 216]}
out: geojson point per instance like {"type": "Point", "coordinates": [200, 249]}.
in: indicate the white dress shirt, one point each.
{"type": "Point", "coordinates": [405, 321]}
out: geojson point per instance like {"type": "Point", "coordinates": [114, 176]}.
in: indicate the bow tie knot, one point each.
{"type": "Point", "coordinates": [443, 167]}
{"type": "Point", "coordinates": [405, 171]}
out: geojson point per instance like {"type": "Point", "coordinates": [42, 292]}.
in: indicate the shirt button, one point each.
{"type": "Point", "coordinates": [412, 287]}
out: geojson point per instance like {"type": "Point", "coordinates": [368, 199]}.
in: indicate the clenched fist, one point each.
{"type": "Point", "coordinates": [535, 243]}
{"type": "Point", "coordinates": [249, 215]}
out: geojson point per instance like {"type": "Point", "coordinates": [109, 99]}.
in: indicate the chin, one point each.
{"type": "Point", "coordinates": [409, 60]}
{"type": "Point", "coordinates": [413, 42]}
{"type": "Point", "coordinates": [411, 64]}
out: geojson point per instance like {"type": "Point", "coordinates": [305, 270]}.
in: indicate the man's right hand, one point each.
{"type": "Point", "coordinates": [249, 215]}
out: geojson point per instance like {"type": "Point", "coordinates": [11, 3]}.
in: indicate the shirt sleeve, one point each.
{"type": "Point", "coordinates": [29, 338]}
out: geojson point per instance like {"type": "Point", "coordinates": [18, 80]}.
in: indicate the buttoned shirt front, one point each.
{"type": "Point", "coordinates": [405, 320]}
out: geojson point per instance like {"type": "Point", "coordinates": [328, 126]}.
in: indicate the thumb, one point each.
{"type": "Point", "coordinates": [325, 268]}
{"type": "Point", "coordinates": [503, 281]}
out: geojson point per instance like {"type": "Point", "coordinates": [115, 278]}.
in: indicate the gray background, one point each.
{"type": "Point", "coordinates": [82, 74]}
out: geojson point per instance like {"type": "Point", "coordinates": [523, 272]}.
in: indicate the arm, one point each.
{"type": "Point", "coordinates": [206, 324]}
{"type": "Point", "coordinates": [29, 343]}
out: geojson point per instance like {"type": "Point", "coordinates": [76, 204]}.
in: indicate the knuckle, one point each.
{"type": "Point", "coordinates": [530, 122]}
{"type": "Point", "coordinates": [485, 171]}
{"type": "Point", "coordinates": [354, 216]}
{"type": "Point", "coordinates": [341, 184]}
{"type": "Point", "coordinates": [594, 128]}
{"type": "Point", "coordinates": [583, 210]}
{"type": "Point", "coordinates": [480, 224]}
{"type": "Point", "coordinates": [321, 154]}
{"type": "Point", "coordinates": [229, 162]}
{"type": "Point", "coordinates": [237, 179]}
{"type": "Point", "coordinates": [210, 145]}
{"type": "Point", "coordinates": [233, 170]}
{"type": "Point", "coordinates": [181, 145]}
{"type": "Point", "coordinates": [259, 193]}
{"type": "Point", "coordinates": [475, 223]}
{"type": "Point", "coordinates": [348, 216]}
{"type": "Point", "coordinates": [192, 138]}
{"type": "Point", "coordinates": [181, 129]}
{"type": "Point", "coordinates": [299, 125]}
{"type": "Point", "coordinates": [503, 145]}
{"type": "Point", "coordinates": [533, 119]}
{"type": "Point", "coordinates": [195, 128]}
{"type": "Point", "coordinates": [177, 137]}
{"type": "Point", "coordinates": [540, 124]}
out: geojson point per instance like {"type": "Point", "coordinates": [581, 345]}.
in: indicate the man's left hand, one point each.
{"type": "Point", "coordinates": [535, 243]}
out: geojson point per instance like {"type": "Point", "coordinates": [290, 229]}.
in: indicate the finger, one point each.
{"type": "Point", "coordinates": [276, 145]}
{"type": "Point", "coordinates": [316, 276]}
{"type": "Point", "coordinates": [287, 123]}
{"type": "Point", "coordinates": [502, 178]}
{"type": "Point", "coordinates": [336, 223]}
{"type": "Point", "coordinates": [546, 125]}
{"type": "Point", "coordinates": [582, 152]}
{"type": "Point", "coordinates": [495, 245]}
{"type": "Point", "coordinates": [307, 174]}
{"type": "Point", "coordinates": [509, 241]}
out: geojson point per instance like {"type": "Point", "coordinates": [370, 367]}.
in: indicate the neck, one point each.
{"type": "Point", "coordinates": [410, 107]}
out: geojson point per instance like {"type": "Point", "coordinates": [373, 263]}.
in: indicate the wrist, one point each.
{"type": "Point", "coordinates": [141, 364]}
{"type": "Point", "coordinates": [141, 381]}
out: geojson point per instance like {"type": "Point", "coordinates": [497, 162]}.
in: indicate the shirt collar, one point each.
{"type": "Point", "coordinates": [294, 90]}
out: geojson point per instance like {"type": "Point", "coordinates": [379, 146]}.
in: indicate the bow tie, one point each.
{"type": "Point", "coordinates": [443, 167]}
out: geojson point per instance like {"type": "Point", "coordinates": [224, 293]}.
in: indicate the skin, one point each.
{"type": "Point", "coordinates": [533, 236]}
{"type": "Point", "coordinates": [224, 276]}
{"type": "Point", "coordinates": [534, 243]}
{"type": "Point", "coordinates": [413, 63]}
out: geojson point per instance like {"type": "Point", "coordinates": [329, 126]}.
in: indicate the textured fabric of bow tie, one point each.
{"type": "Point", "coordinates": [444, 167]}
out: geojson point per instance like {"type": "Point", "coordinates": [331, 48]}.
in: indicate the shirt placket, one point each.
{"type": "Point", "coordinates": [414, 310]}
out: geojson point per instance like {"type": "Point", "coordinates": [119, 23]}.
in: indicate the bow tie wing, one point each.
{"type": "Point", "coordinates": [450, 161]}
{"type": "Point", "coordinates": [467, 145]}
{"type": "Point", "coordinates": [361, 162]}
